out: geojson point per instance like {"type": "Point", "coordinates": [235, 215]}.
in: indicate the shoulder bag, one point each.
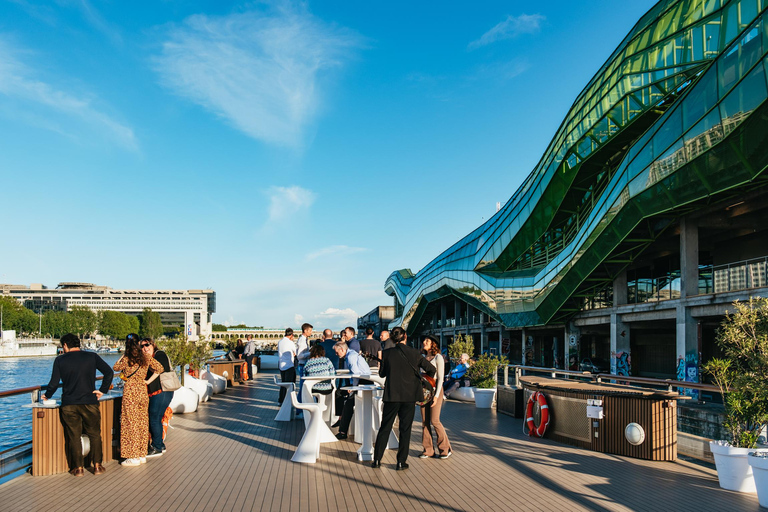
{"type": "Point", "coordinates": [169, 381]}
{"type": "Point", "coordinates": [428, 384]}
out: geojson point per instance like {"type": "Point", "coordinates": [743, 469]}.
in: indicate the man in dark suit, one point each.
{"type": "Point", "coordinates": [402, 390]}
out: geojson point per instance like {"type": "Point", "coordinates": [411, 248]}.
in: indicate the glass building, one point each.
{"type": "Point", "coordinates": [642, 221]}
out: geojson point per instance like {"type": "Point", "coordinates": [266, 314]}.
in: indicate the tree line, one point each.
{"type": "Point", "coordinates": [80, 320]}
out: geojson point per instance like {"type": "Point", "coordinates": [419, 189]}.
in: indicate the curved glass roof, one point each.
{"type": "Point", "coordinates": [640, 139]}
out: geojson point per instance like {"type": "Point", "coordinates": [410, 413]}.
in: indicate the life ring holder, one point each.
{"type": "Point", "coordinates": [539, 431]}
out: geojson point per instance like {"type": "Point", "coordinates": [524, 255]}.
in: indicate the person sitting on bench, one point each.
{"type": "Point", "coordinates": [456, 379]}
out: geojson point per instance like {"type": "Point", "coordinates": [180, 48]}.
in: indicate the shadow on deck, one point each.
{"type": "Point", "coordinates": [232, 455]}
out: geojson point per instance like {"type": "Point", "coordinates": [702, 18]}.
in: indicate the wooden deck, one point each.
{"type": "Point", "coordinates": [231, 455]}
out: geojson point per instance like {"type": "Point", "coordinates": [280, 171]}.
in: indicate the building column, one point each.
{"type": "Point", "coordinates": [483, 333]}
{"type": "Point", "coordinates": [621, 360]}
{"type": "Point", "coordinates": [687, 334]}
{"type": "Point", "coordinates": [620, 289]}
{"type": "Point", "coordinates": [456, 313]}
{"type": "Point", "coordinates": [443, 315]}
{"type": "Point", "coordinates": [523, 340]}
{"type": "Point", "coordinates": [571, 346]}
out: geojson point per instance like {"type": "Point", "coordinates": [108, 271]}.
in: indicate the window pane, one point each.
{"type": "Point", "coordinates": [707, 133]}
{"type": "Point", "coordinates": [669, 131]}
{"type": "Point", "coordinates": [743, 99]}
{"type": "Point", "coordinates": [702, 97]}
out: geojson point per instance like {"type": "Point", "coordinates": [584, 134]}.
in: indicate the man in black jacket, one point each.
{"type": "Point", "coordinates": [402, 390]}
{"type": "Point", "coordinates": [79, 409]}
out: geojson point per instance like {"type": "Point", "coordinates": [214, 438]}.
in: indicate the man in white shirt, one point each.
{"type": "Point", "coordinates": [286, 354]}
{"type": "Point", "coordinates": [302, 348]}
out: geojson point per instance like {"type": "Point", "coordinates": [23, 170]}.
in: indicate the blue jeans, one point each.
{"type": "Point", "coordinates": [157, 406]}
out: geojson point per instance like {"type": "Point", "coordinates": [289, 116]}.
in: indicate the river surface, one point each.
{"type": "Point", "coordinates": [23, 372]}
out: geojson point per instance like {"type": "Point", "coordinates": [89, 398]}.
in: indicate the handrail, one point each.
{"type": "Point", "coordinates": [670, 384]}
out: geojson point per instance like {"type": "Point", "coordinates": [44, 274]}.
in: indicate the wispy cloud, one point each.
{"type": "Point", "coordinates": [95, 19]}
{"type": "Point", "coordinates": [511, 27]}
{"type": "Point", "coordinates": [286, 202]}
{"type": "Point", "coordinates": [334, 250]}
{"type": "Point", "coordinates": [501, 71]}
{"type": "Point", "coordinates": [257, 70]}
{"type": "Point", "coordinates": [44, 104]}
{"type": "Point", "coordinates": [346, 316]}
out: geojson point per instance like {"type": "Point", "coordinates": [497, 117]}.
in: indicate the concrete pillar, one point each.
{"type": "Point", "coordinates": [621, 360]}
{"type": "Point", "coordinates": [687, 328]}
{"type": "Point", "coordinates": [689, 258]}
{"type": "Point", "coordinates": [523, 340]}
{"type": "Point", "coordinates": [483, 338]}
{"type": "Point", "coordinates": [443, 314]}
{"type": "Point", "coordinates": [571, 346]}
{"type": "Point", "coordinates": [501, 339]}
{"type": "Point", "coordinates": [457, 313]}
{"type": "Point", "coordinates": [620, 289]}
{"type": "Point", "coordinates": [470, 315]}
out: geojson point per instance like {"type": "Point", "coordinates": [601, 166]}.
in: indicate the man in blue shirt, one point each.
{"type": "Point", "coordinates": [456, 378]}
{"type": "Point", "coordinates": [352, 342]}
{"type": "Point", "coordinates": [357, 366]}
{"type": "Point", "coordinates": [328, 344]}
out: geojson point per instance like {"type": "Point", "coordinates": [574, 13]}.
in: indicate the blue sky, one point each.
{"type": "Point", "coordinates": [288, 155]}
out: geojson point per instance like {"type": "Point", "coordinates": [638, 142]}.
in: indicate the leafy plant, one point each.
{"type": "Point", "coordinates": [482, 373]}
{"type": "Point", "coordinates": [741, 375]}
{"type": "Point", "coordinates": [461, 345]}
{"type": "Point", "coordinates": [180, 351]}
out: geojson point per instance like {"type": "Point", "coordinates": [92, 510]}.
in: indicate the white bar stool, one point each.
{"type": "Point", "coordinates": [286, 409]}
{"type": "Point", "coordinates": [308, 450]}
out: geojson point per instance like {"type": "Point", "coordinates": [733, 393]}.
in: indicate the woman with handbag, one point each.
{"type": "Point", "coordinates": [158, 399]}
{"type": "Point", "coordinates": [430, 412]}
{"type": "Point", "coordinates": [134, 420]}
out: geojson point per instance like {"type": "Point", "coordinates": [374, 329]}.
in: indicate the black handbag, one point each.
{"type": "Point", "coordinates": [428, 384]}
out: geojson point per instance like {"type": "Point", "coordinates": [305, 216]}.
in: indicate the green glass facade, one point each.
{"type": "Point", "coordinates": [676, 115]}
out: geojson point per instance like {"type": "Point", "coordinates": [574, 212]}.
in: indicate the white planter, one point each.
{"type": "Point", "coordinates": [184, 400]}
{"type": "Point", "coordinates": [733, 469]}
{"type": "Point", "coordinates": [203, 389]}
{"type": "Point", "coordinates": [759, 466]}
{"type": "Point", "coordinates": [464, 394]}
{"type": "Point", "coordinates": [484, 397]}
{"type": "Point", "coordinates": [218, 382]}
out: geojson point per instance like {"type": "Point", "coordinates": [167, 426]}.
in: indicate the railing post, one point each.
{"type": "Point", "coordinates": [506, 375]}
{"type": "Point", "coordinates": [517, 377]}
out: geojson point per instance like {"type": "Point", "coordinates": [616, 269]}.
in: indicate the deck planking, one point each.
{"type": "Point", "coordinates": [232, 456]}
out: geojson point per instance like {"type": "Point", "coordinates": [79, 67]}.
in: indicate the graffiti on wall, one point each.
{"type": "Point", "coordinates": [621, 363]}
{"type": "Point", "coordinates": [528, 356]}
{"type": "Point", "coordinates": [688, 371]}
{"type": "Point", "coordinates": [573, 352]}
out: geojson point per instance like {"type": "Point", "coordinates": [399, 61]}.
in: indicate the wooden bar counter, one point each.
{"type": "Point", "coordinates": [48, 457]}
{"type": "Point", "coordinates": [230, 368]}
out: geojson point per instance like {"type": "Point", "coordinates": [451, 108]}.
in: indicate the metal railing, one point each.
{"type": "Point", "coordinates": [668, 384]}
{"type": "Point", "coordinates": [741, 275]}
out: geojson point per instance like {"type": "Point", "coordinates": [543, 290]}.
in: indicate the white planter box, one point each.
{"type": "Point", "coordinates": [733, 469]}
{"type": "Point", "coordinates": [759, 466]}
{"type": "Point", "coordinates": [484, 398]}
{"type": "Point", "coordinates": [184, 400]}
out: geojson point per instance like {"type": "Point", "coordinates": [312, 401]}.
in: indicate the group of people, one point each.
{"type": "Point", "coordinates": [401, 366]}
{"type": "Point", "coordinates": [143, 406]}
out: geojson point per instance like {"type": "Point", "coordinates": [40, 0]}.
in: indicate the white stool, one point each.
{"type": "Point", "coordinates": [325, 435]}
{"type": "Point", "coordinates": [378, 409]}
{"type": "Point", "coordinates": [286, 409]}
{"type": "Point", "coordinates": [308, 450]}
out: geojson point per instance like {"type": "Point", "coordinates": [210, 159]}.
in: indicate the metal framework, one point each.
{"type": "Point", "coordinates": [676, 115]}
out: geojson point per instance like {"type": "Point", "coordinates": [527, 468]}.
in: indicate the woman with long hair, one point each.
{"type": "Point", "coordinates": [158, 399]}
{"type": "Point", "coordinates": [430, 412]}
{"type": "Point", "coordinates": [134, 421]}
{"type": "Point", "coordinates": [318, 364]}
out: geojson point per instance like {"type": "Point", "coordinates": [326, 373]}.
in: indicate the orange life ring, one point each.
{"type": "Point", "coordinates": [538, 396]}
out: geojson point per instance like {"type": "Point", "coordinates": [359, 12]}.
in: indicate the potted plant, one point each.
{"type": "Point", "coordinates": [483, 374]}
{"type": "Point", "coordinates": [741, 377]}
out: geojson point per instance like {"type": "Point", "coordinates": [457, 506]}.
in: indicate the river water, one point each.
{"type": "Point", "coordinates": [23, 372]}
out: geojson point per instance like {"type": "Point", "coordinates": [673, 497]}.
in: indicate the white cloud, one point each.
{"type": "Point", "coordinates": [257, 70]}
{"type": "Point", "coordinates": [511, 27]}
{"type": "Point", "coordinates": [286, 202]}
{"type": "Point", "coordinates": [334, 250]}
{"type": "Point", "coordinates": [42, 104]}
{"type": "Point", "coordinates": [297, 318]}
{"type": "Point", "coordinates": [347, 316]}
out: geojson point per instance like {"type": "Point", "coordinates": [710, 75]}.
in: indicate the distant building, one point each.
{"type": "Point", "coordinates": [378, 319]}
{"type": "Point", "coordinates": [191, 309]}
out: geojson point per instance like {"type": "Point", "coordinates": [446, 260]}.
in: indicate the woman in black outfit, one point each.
{"type": "Point", "coordinates": [158, 399]}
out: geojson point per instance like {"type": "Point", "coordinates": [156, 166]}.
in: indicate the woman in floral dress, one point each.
{"type": "Point", "coordinates": [134, 422]}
